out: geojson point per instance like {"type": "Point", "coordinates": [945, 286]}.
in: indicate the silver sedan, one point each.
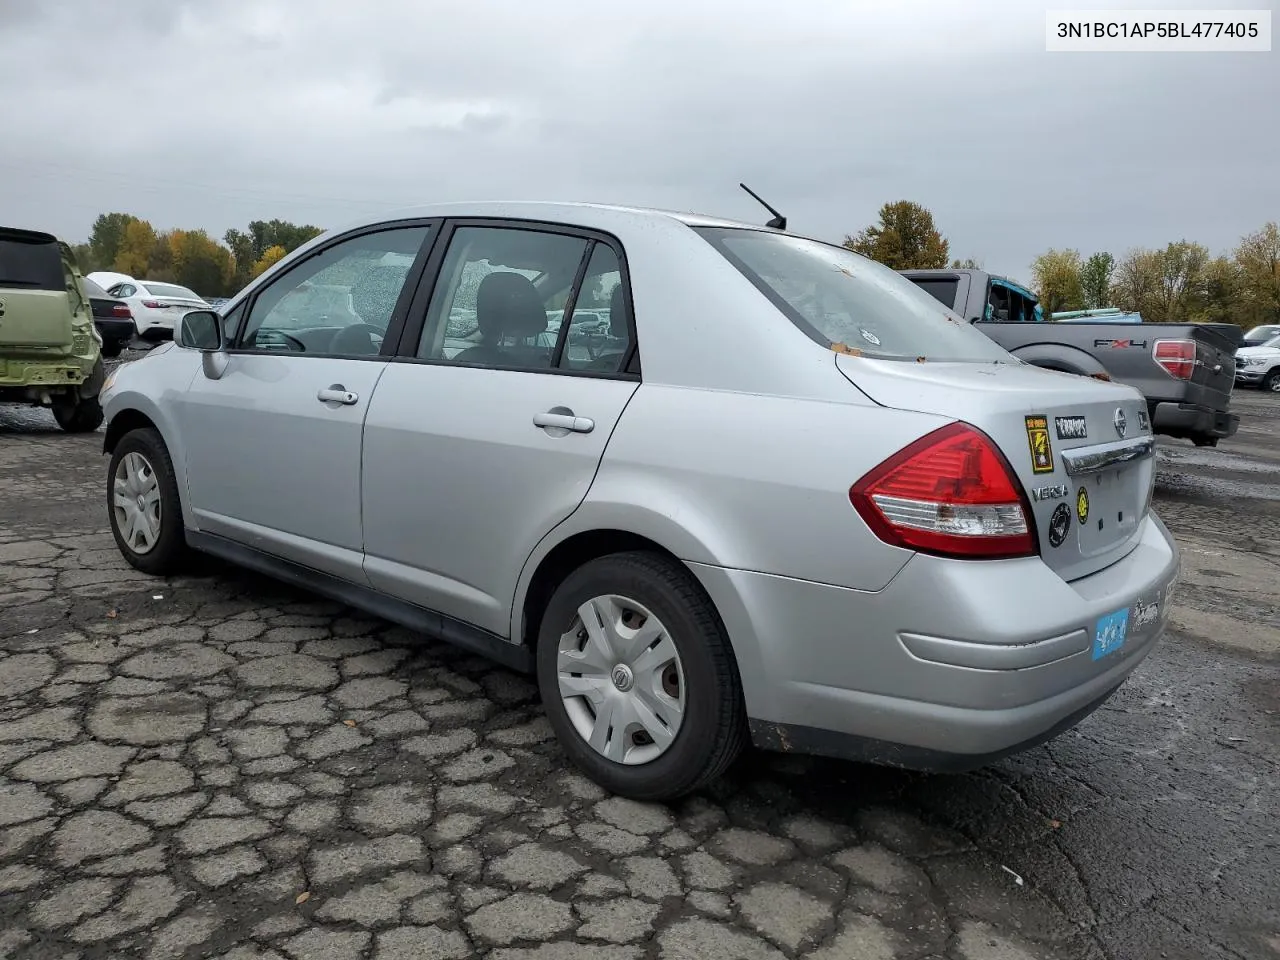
{"type": "Point", "coordinates": [770, 493]}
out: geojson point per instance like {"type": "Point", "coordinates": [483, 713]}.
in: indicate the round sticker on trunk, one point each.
{"type": "Point", "coordinates": [1082, 505]}
{"type": "Point", "coordinates": [1059, 525]}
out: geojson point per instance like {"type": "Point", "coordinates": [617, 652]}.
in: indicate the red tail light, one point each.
{"type": "Point", "coordinates": [1178, 357]}
{"type": "Point", "coordinates": [951, 493]}
{"type": "Point", "coordinates": [120, 310]}
{"type": "Point", "coordinates": [155, 304]}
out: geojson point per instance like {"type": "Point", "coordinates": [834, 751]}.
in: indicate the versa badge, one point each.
{"type": "Point", "coordinates": [1038, 439]}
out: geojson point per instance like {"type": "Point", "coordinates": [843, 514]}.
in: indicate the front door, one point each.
{"type": "Point", "coordinates": [273, 446]}
{"type": "Point", "coordinates": [492, 433]}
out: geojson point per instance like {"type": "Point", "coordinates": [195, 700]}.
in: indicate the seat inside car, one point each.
{"type": "Point", "coordinates": [610, 357]}
{"type": "Point", "coordinates": [507, 305]}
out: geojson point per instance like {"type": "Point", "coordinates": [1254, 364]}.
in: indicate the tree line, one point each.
{"type": "Point", "coordinates": [1182, 282]}
{"type": "Point", "coordinates": [124, 243]}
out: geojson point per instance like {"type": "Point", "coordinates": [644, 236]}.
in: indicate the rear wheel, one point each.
{"type": "Point", "coordinates": [78, 415]}
{"type": "Point", "coordinates": [638, 677]}
{"type": "Point", "coordinates": [1272, 381]}
{"type": "Point", "coordinates": [111, 348]}
{"type": "Point", "coordinates": [142, 502]}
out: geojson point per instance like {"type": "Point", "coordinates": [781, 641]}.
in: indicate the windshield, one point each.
{"type": "Point", "coordinates": [1273, 342]}
{"type": "Point", "coordinates": [1263, 333]}
{"type": "Point", "coordinates": [170, 290]}
{"type": "Point", "coordinates": [836, 296]}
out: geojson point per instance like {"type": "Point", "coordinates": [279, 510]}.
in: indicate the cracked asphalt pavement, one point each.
{"type": "Point", "coordinates": [219, 766]}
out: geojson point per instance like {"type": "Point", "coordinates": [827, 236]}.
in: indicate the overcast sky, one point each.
{"type": "Point", "coordinates": [216, 112]}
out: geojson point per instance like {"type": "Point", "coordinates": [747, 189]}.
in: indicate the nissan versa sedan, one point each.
{"type": "Point", "coordinates": [779, 495]}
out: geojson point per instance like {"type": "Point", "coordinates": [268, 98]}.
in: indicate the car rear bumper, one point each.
{"type": "Point", "coordinates": [116, 330]}
{"type": "Point", "coordinates": [950, 665]}
{"type": "Point", "coordinates": [1192, 420]}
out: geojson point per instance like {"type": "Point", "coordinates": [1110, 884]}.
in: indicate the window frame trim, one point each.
{"type": "Point", "coordinates": [416, 319]}
{"type": "Point", "coordinates": [399, 313]}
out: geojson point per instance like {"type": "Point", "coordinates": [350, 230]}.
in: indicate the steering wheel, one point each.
{"type": "Point", "coordinates": [376, 334]}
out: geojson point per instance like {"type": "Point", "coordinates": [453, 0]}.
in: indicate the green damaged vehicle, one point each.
{"type": "Point", "coordinates": [50, 351]}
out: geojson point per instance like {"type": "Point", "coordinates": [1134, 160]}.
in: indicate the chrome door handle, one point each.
{"type": "Point", "coordinates": [337, 393]}
{"type": "Point", "coordinates": [564, 421]}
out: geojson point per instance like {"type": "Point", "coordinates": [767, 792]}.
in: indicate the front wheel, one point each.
{"type": "Point", "coordinates": [638, 677]}
{"type": "Point", "coordinates": [142, 502]}
{"type": "Point", "coordinates": [1272, 381]}
{"type": "Point", "coordinates": [81, 415]}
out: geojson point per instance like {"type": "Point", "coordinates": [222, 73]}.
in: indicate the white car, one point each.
{"type": "Point", "coordinates": [1260, 366]}
{"type": "Point", "coordinates": [156, 306]}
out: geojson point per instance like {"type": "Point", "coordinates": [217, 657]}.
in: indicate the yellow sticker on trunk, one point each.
{"type": "Point", "coordinates": [1082, 505]}
{"type": "Point", "coordinates": [1038, 440]}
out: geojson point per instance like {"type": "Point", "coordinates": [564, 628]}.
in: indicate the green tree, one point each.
{"type": "Point", "coordinates": [241, 246]}
{"type": "Point", "coordinates": [107, 236]}
{"type": "Point", "coordinates": [1217, 298]}
{"type": "Point", "coordinates": [266, 234]}
{"type": "Point", "coordinates": [968, 263]}
{"type": "Point", "coordinates": [136, 248]}
{"type": "Point", "coordinates": [1056, 275]}
{"type": "Point", "coordinates": [1095, 279]}
{"type": "Point", "coordinates": [1182, 266]}
{"type": "Point", "coordinates": [1137, 281]}
{"type": "Point", "coordinates": [1258, 257]}
{"type": "Point", "coordinates": [904, 239]}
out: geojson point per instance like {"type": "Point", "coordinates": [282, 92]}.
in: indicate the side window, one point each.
{"type": "Point", "coordinates": [599, 334]}
{"type": "Point", "coordinates": [499, 300]}
{"type": "Point", "coordinates": [999, 304]}
{"type": "Point", "coordinates": [230, 322]}
{"type": "Point", "coordinates": [124, 290]}
{"type": "Point", "coordinates": [337, 303]}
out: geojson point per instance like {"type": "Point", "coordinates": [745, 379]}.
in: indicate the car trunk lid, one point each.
{"type": "Point", "coordinates": [1081, 448]}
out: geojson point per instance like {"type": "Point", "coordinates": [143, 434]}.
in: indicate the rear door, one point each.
{"type": "Point", "coordinates": [37, 295]}
{"type": "Point", "coordinates": [488, 432]}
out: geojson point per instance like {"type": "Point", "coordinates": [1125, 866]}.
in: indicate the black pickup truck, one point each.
{"type": "Point", "coordinates": [1185, 370]}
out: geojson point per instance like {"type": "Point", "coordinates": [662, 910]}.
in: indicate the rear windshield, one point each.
{"type": "Point", "coordinates": [170, 290]}
{"type": "Point", "coordinates": [31, 265]}
{"type": "Point", "coordinates": [93, 290]}
{"type": "Point", "coordinates": [944, 291]}
{"type": "Point", "coordinates": [836, 296]}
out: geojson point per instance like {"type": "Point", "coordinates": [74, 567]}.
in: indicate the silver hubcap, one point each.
{"type": "Point", "coordinates": [136, 502]}
{"type": "Point", "coordinates": [621, 681]}
{"type": "Point", "coordinates": [1275, 384]}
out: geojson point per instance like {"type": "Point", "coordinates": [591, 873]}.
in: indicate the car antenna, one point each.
{"type": "Point", "coordinates": [779, 222]}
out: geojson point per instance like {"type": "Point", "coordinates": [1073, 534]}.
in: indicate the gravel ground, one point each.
{"type": "Point", "coordinates": [220, 766]}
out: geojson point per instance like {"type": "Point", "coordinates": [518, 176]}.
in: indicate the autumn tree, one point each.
{"type": "Point", "coordinates": [270, 257]}
{"type": "Point", "coordinates": [904, 239]}
{"type": "Point", "coordinates": [1095, 280]}
{"type": "Point", "coordinates": [1218, 293]}
{"type": "Point", "coordinates": [1056, 275]}
{"type": "Point", "coordinates": [137, 245]}
{"type": "Point", "coordinates": [199, 262]}
{"type": "Point", "coordinates": [1258, 256]}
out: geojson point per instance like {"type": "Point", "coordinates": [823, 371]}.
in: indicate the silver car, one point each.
{"type": "Point", "coordinates": [786, 499]}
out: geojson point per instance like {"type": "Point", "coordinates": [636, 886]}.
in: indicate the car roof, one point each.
{"type": "Point", "coordinates": [599, 215]}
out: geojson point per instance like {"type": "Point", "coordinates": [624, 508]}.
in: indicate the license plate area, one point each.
{"type": "Point", "coordinates": [1106, 507]}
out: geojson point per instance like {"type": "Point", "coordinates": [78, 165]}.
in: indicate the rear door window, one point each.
{"type": "Point", "coordinates": [31, 264]}
{"type": "Point", "coordinates": [836, 296]}
{"type": "Point", "coordinates": [941, 289]}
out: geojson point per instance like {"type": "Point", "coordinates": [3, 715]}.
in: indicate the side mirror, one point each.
{"type": "Point", "coordinates": [202, 330]}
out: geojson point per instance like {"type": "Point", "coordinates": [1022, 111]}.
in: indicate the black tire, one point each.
{"type": "Point", "coordinates": [1271, 381]}
{"type": "Point", "coordinates": [112, 348]}
{"type": "Point", "coordinates": [170, 554]}
{"type": "Point", "coordinates": [78, 415]}
{"type": "Point", "coordinates": [714, 728]}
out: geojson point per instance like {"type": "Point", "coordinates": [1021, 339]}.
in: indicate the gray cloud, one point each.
{"type": "Point", "coordinates": [217, 112]}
